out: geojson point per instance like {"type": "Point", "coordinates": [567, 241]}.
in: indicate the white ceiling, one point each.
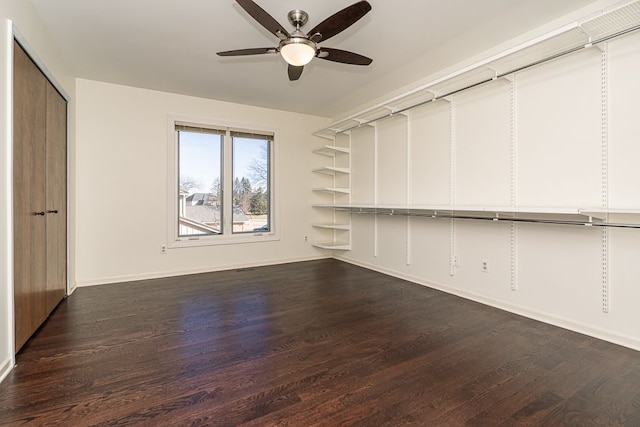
{"type": "Point", "coordinates": [170, 45]}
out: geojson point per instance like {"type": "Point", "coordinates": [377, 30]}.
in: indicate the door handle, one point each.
{"type": "Point", "coordinates": [39, 213]}
{"type": "Point", "coordinates": [55, 211]}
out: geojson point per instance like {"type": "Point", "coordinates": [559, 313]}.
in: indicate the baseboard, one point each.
{"type": "Point", "coordinates": [605, 335]}
{"type": "Point", "coordinates": [5, 367]}
{"type": "Point", "coordinates": [72, 289]}
{"type": "Point", "coordinates": [163, 274]}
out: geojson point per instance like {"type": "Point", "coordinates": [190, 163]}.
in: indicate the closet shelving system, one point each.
{"type": "Point", "coordinates": [589, 33]}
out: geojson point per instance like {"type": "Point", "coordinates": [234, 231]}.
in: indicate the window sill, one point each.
{"type": "Point", "coordinates": [223, 240]}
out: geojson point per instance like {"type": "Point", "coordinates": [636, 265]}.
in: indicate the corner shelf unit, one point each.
{"type": "Point", "coordinates": [339, 171]}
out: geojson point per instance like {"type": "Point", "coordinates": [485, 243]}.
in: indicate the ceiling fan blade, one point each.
{"type": "Point", "coordinates": [295, 72]}
{"type": "Point", "coordinates": [341, 20]}
{"type": "Point", "coordinates": [253, 51]}
{"type": "Point", "coordinates": [263, 18]}
{"type": "Point", "coordinates": [343, 56]}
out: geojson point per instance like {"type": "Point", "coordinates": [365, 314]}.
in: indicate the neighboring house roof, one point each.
{"type": "Point", "coordinates": [205, 214]}
{"type": "Point", "coordinates": [200, 198]}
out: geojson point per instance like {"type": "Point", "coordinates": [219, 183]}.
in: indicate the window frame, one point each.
{"type": "Point", "coordinates": [227, 236]}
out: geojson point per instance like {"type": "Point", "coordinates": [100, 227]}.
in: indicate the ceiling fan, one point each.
{"type": "Point", "coordinates": [298, 48]}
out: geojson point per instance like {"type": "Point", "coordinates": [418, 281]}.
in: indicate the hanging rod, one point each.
{"type": "Point", "coordinates": [493, 219]}
{"type": "Point", "coordinates": [496, 77]}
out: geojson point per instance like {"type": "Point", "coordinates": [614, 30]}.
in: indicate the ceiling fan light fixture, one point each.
{"type": "Point", "coordinates": [298, 51]}
{"type": "Point", "coordinates": [298, 48]}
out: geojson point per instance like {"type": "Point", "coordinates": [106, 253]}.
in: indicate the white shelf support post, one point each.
{"type": "Point", "coordinates": [452, 184]}
{"type": "Point", "coordinates": [605, 270]}
{"type": "Point", "coordinates": [408, 231]}
{"type": "Point", "coordinates": [408, 186]}
{"type": "Point", "coordinates": [513, 273]}
{"type": "Point", "coordinates": [605, 175]}
{"type": "Point", "coordinates": [514, 183]}
{"type": "Point", "coordinates": [375, 188]}
{"type": "Point", "coordinates": [350, 166]}
{"type": "Point", "coordinates": [605, 127]}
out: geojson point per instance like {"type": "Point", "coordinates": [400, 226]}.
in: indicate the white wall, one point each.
{"type": "Point", "coordinates": [556, 113]}
{"type": "Point", "coordinates": [19, 15]}
{"type": "Point", "coordinates": [121, 175]}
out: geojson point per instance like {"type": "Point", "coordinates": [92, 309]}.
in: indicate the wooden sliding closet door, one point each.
{"type": "Point", "coordinates": [56, 197]}
{"type": "Point", "coordinates": [39, 196]}
{"type": "Point", "coordinates": [29, 218]}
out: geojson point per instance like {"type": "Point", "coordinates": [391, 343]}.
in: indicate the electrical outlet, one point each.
{"type": "Point", "coordinates": [163, 249]}
{"type": "Point", "coordinates": [306, 239]}
{"type": "Point", "coordinates": [484, 266]}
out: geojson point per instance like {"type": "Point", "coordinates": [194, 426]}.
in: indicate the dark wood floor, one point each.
{"type": "Point", "coordinates": [313, 343]}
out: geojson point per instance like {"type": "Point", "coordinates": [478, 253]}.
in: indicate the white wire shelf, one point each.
{"type": "Point", "coordinates": [550, 215]}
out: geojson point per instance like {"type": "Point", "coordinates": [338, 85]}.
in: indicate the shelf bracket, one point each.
{"type": "Point", "coordinates": [362, 122]}
{"type": "Point", "coordinates": [496, 75]}
{"type": "Point", "coordinates": [509, 77]}
{"type": "Point", "coordinates": [439, 97]}
{"type": "Point", "coordinates": [432, 92]}
{"type": "Point", "coordinates": [589, 42]}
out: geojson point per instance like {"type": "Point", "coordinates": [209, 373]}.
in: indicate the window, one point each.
{"type": "Point", "coordinates": [250, 182]}
{"type": "Point", "coordinates": [221, 188]}
{"type": "Point", "coordinates": [200, 175]}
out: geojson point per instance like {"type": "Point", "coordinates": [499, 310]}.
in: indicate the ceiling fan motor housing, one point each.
{"type": "Point", "coordinates": [298, 18]}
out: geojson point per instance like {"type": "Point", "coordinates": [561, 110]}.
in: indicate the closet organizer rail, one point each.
{"type": "Point", "coordinates": [485, 81]}
{"type": "Point", "coordinates": [575, 217]}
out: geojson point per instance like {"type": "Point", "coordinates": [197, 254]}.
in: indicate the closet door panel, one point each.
{"type": "Point", "coordinates": [56, 195]}
{"type": "Point", "coordinates": [29, 93]}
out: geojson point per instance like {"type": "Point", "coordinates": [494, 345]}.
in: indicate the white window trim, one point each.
{"type": "Point", "coordinates": [173, 241]}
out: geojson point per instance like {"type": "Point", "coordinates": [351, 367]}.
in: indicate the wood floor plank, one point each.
{"type": "Point", "coordinates": [314, 343]}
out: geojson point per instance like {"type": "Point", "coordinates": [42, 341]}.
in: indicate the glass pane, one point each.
{"type": "Point", "coordinates": [200, 186]}
{"type": "Point", "coordinates": [250, 185]}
